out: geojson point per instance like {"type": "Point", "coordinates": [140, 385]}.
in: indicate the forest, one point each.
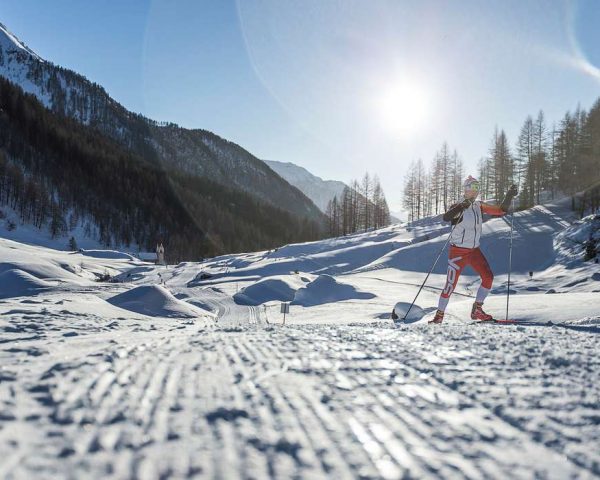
{"type": "Point", "coordinates": [56, 172]}
{"type": "Point", "coordinates": [545, 162]}
{"type": "Point", "coordinates": [361, 206]}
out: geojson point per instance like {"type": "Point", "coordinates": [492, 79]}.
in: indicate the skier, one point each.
{"type": "Point", "coordinates": [467, 216]}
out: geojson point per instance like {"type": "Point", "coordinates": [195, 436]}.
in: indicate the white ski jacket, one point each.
{"type": "Point", "coordinates": [467, 232]}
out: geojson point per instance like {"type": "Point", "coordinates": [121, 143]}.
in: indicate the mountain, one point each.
{"type": "Point", "coordinates": [166, 145]}
{"type": "Point", "coordinates": [58, 173]}
{"type": "Point", "coordinates": [397, 216]}
{"type": "Point", "coordinates": [72, 159]}
{"type": "Point", "coordinates": [318, 190]}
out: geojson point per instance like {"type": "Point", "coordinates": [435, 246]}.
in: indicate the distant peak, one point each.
{"type": "Point", "coordinates": [10, 42]}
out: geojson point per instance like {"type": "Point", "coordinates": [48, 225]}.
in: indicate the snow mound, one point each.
{"type": "Point", "coordinates": [277, 288]}
{"type": "Point", "coordinates": [40, 269]}
{"type": "Point", "coordinates": [326, 289]}
{"type": "Point", "coordinates": [415, 314]}
{"type": "Point", "coordinates": [155, 301]}
{"type": "Point", "coordinates": [17, 283]}
{"type": "Point", "coordinates": [107, 254]}
{"type": "Point", "coordinates": [571, 242]}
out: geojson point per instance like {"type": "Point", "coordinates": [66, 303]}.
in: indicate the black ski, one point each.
{"type": "Point", "coordinates": [497, 321]}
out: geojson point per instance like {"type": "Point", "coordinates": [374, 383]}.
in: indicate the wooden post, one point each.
{"type": "Point", "coordinates": [285, 308]}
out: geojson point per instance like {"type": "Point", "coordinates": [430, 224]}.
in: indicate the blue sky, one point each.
{"type": "Point", "coordinates": [337, 86]}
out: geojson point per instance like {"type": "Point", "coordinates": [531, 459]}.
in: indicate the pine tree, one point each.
{"type": "Point", "coordinates": [366, 190]}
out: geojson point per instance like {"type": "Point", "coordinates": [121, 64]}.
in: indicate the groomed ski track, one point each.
{"type": "Point", "coordinates": [239, 398]}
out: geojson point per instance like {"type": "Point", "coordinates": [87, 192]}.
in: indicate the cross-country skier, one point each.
{"type": "Point", "coordinates": [467, 216]}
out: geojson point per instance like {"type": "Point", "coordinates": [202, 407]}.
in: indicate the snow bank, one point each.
{"type": "Point", "coordinates": [571, 242]}
{"type": "Point", "coordinates": [155, 301]}
{"type": "Point", "coordinates": [42, 269]}
{"type": "Point", "coordinates": [107, 254]}
{"type": "Point", "coordinates": [326, 289]}
{"type": "Point", "coordinates": [17, 283]}
{"type": "Point", "coordinates": [277, 288]}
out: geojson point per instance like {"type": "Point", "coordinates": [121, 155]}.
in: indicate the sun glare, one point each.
{"type": "Point", "coordinates": [403, 107]}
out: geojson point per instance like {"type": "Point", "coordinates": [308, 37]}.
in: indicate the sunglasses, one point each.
{"type": "Point", "coordinates": [473, 186]}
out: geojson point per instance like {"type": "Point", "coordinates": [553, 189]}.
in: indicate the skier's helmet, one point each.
{"type": "Point", "coordinates": [471, 184]}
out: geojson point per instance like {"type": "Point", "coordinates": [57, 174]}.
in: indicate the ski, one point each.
{"type": "Point", "coordinates": [497, 321]}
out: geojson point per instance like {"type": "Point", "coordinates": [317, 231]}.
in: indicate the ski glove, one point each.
{"type": "Point", "coordinates": [457, 209]}
{"type": "Point", "coordinates": [466, 203]}
{"type": "Point", "coordinates": [512, 191]}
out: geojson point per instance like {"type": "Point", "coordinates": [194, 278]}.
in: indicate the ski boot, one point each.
{"type": "Point", "coordinates": [477, 313]}
{"type": "Point", "coordinates": [439, 317]}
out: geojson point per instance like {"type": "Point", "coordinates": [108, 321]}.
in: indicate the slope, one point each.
{"type": "Point", "coordinates": [396, 259]}
{"type": "Point", "coordinates": [133, 378]}
{"type": "Point", "coordinates": [50, 165]}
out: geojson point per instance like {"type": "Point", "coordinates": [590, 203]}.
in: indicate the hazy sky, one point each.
{"type": "Point", "coordinates": [338, 86]}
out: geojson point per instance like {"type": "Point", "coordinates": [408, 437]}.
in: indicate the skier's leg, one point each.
{"type": "Point", "coordinates": [482, 267]}
{"type": "Point", "coordinates": [457, 259]}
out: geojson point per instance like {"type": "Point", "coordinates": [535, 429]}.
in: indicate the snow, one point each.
{"type": "Point", "coordinates": [276, 288]}
{"type": "Point", "coordinates": [17, 62]}
{"type": "Point", "coordinates": [326, 289]}
{"type": "Point", "coordinates": [16, 282]}
{"type": "Point", "coordinates": [30, 234]}
{"type": "Point", "coordinates": [9, 42]}
{"type": "Point", "coordinates": [154, 301]}
{"type": "Point", "coordinates": [107, 254]}
{"type": "Point", "coordinates": [186, 371]}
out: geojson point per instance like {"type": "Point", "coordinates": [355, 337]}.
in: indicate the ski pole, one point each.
{"type": "Point", "coordinates": [512, 218]}
{"type": "Point", "coordinates": [433, 266]}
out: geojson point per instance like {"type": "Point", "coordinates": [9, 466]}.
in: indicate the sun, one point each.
{"type": "Point", "coordinates": [403, 107]}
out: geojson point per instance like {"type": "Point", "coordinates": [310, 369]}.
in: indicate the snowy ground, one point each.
{"type": "Point", "coordinates": [187, 371]}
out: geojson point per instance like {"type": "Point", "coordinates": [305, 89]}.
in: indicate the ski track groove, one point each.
{"type": "Point", "coordinates": [242, 399]}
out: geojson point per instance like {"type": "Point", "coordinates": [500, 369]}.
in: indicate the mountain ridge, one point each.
{"type": "Point", "coordinates": [57, 173]}
{"type": "Point", "coordinates": [192, 151]}
{"type": "Point", "coordinates": [314, 187]}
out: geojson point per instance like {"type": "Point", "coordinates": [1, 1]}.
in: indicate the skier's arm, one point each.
{"type": "Point", "coordinates": [490, 209]}
{"type": "Point", "coordinates": [504, 206]}
{"type": "Point", "coordinates": [456, 209]}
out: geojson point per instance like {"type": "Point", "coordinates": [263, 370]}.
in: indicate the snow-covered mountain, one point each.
{"type": "Point", "coordinates": [197, 151]}
{"type": "Point", "coordinates": [318, 190]}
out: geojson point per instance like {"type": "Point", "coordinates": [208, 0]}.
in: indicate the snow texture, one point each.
{"type": "Point", "coordinates": [154, 301]}
{"type": "Point", "coordinates": [16, 282]}
{"type": "Point", "coordinates": [276, 288]}
{"type": "Point", "coordinates": [107, 254]}
{"type": "Point", "coordinates": [326, 289]}
{"type": "Point", "coordinates": [135, 378]}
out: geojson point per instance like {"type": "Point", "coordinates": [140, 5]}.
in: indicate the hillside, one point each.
{"type": "Point", "coordinates": [166, 146]}
{"type": "Point", "coordinates": [62, 176]}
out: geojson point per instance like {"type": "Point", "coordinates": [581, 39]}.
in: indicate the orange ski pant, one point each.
{"type": "Point", "coordinates": [458, 259]}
